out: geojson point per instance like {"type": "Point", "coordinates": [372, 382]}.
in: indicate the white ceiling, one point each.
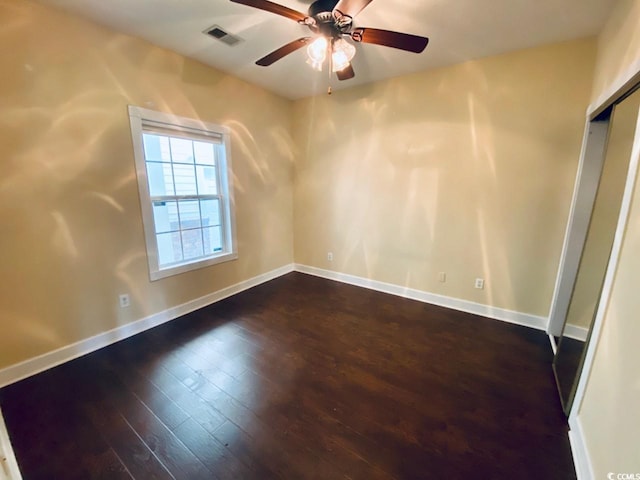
{"type": "Point", "coordinates": [459, 30]}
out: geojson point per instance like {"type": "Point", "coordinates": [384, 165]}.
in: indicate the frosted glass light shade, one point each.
{"type": "Point", "coordinates": [317, 50]}
{"type": "Point", "coordinates": [342, 54]}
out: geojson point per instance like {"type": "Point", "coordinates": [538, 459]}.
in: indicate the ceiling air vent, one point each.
{"type": "Point", "coordinates": [219, 34]}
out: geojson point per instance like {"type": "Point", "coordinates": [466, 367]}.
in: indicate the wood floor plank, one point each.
{"type": "Point", "coordinates": [213, 453]}
{"type": "Point", "coordinates": [169, 450]}
{"type": "Point", "coordinates": [167, 411]}
{"type": "Point", "coordinates": [140, 460]}
{"type": "Point", "coordinates": [300, 378]}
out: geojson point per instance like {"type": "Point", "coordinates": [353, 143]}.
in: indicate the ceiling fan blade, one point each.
{"type": "Point", "coordinates": [351, 7]}
{"type": "Point", "coordinates": [346, 73]}
{"type": "Point", "coordinates": [403, 41]}
{"type": "Point", "coordinates": [283, 51]}
{"type": "Point", "coordinates": [274, 8]}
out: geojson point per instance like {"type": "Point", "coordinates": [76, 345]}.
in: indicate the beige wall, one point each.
{"type": "Point", "coordinates": [72, 235]}
{"type": "Point", "coordinates": [466, 170]}
{"type": "Point", "coordinates": [618, 48]}
{"type": "Point", "coordinates": [609, 414]}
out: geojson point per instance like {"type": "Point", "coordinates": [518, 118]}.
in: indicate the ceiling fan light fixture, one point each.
{"type": "Point", "coordinates": [343, 53]}
{"type": "Point", "coordinates": [339, 62]}
{"type": "Point", "coordinates": [329, 21]}
{"type": "Point", "coordinates": [317, 51]}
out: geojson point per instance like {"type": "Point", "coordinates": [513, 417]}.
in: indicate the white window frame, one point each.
{"type": "Point", "coordinates": [143, 120]}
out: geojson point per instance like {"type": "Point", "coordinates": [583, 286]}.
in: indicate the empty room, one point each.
{"type": "Point", "coordinates": [333, 239]}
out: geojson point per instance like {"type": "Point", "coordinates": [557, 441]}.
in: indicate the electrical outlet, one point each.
{"type": "Point", "coordinates": [125, 301]}
{"type": "Point", "coordinates": [330, 256]}
{"type": "Point", "coordinates": [442, 277]}
{"type": "Point", "coordinates": [480, 283]}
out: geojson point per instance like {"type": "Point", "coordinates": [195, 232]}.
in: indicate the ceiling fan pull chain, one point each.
{"type": "Point", "coordinates": [330, 69]}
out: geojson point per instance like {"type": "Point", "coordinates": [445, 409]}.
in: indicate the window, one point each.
{"type": "Point", "coordinates": [184, 180]}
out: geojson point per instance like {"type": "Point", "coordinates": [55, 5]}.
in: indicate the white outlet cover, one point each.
{"type": "Point", "coordinates": [124, 300]}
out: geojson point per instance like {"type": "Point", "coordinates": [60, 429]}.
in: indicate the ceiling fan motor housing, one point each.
{"type": "Point", "coordinates": [327, 21]}
{"type": "Point", "coordinates": [321, 10]}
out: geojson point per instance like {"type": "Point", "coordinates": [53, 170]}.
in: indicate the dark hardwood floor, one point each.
{"type": "Point", "coordinates": [300, 378]}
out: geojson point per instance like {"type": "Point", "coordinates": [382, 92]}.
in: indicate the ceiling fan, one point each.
{"type": "Point", "coordinates": [330, 21]}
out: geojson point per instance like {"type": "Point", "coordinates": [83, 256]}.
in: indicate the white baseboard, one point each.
{"type": "Point", "coordinates": [581, 458]}
{"type": "Point", "coordinates": [575, 332]}
{"type": "Point", "coordinates": [518, 318]}
{"type": "Point", "coordinates": [51, 359]}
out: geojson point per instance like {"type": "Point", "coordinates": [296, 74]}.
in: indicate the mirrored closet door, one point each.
{"type": "Point", "coordinates": [587, 287]}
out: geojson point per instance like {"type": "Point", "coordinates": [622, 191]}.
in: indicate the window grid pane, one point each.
{"type": "Point", "coordinates": [169, 248]}
{"type": "Point", "coordinates": [165, 216]}
{"type": "Point", "coordinates": [204, 153]}
{"type": "Point", "coordinates": [156, 147]}
{"type": "Point", "coordinates": [192, 244]}
{"type": "Point", "coordinates": [186, 229]}
{"type": "Point", "coordinates": [181, 150]}
{"type": "Point", "coordinates": [207, 180]}
{"type": "Point", "coordinates": [189, 214]}
{"type": "Point", "coordinates": [210, 212]}
{"type": "Point", "coordinates": [213, 241]}
{"type": "Point", "coordinates": [160, 179]}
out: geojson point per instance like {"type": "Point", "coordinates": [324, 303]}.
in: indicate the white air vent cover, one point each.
{"type": "Point", "coordinates": [219, 34]}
